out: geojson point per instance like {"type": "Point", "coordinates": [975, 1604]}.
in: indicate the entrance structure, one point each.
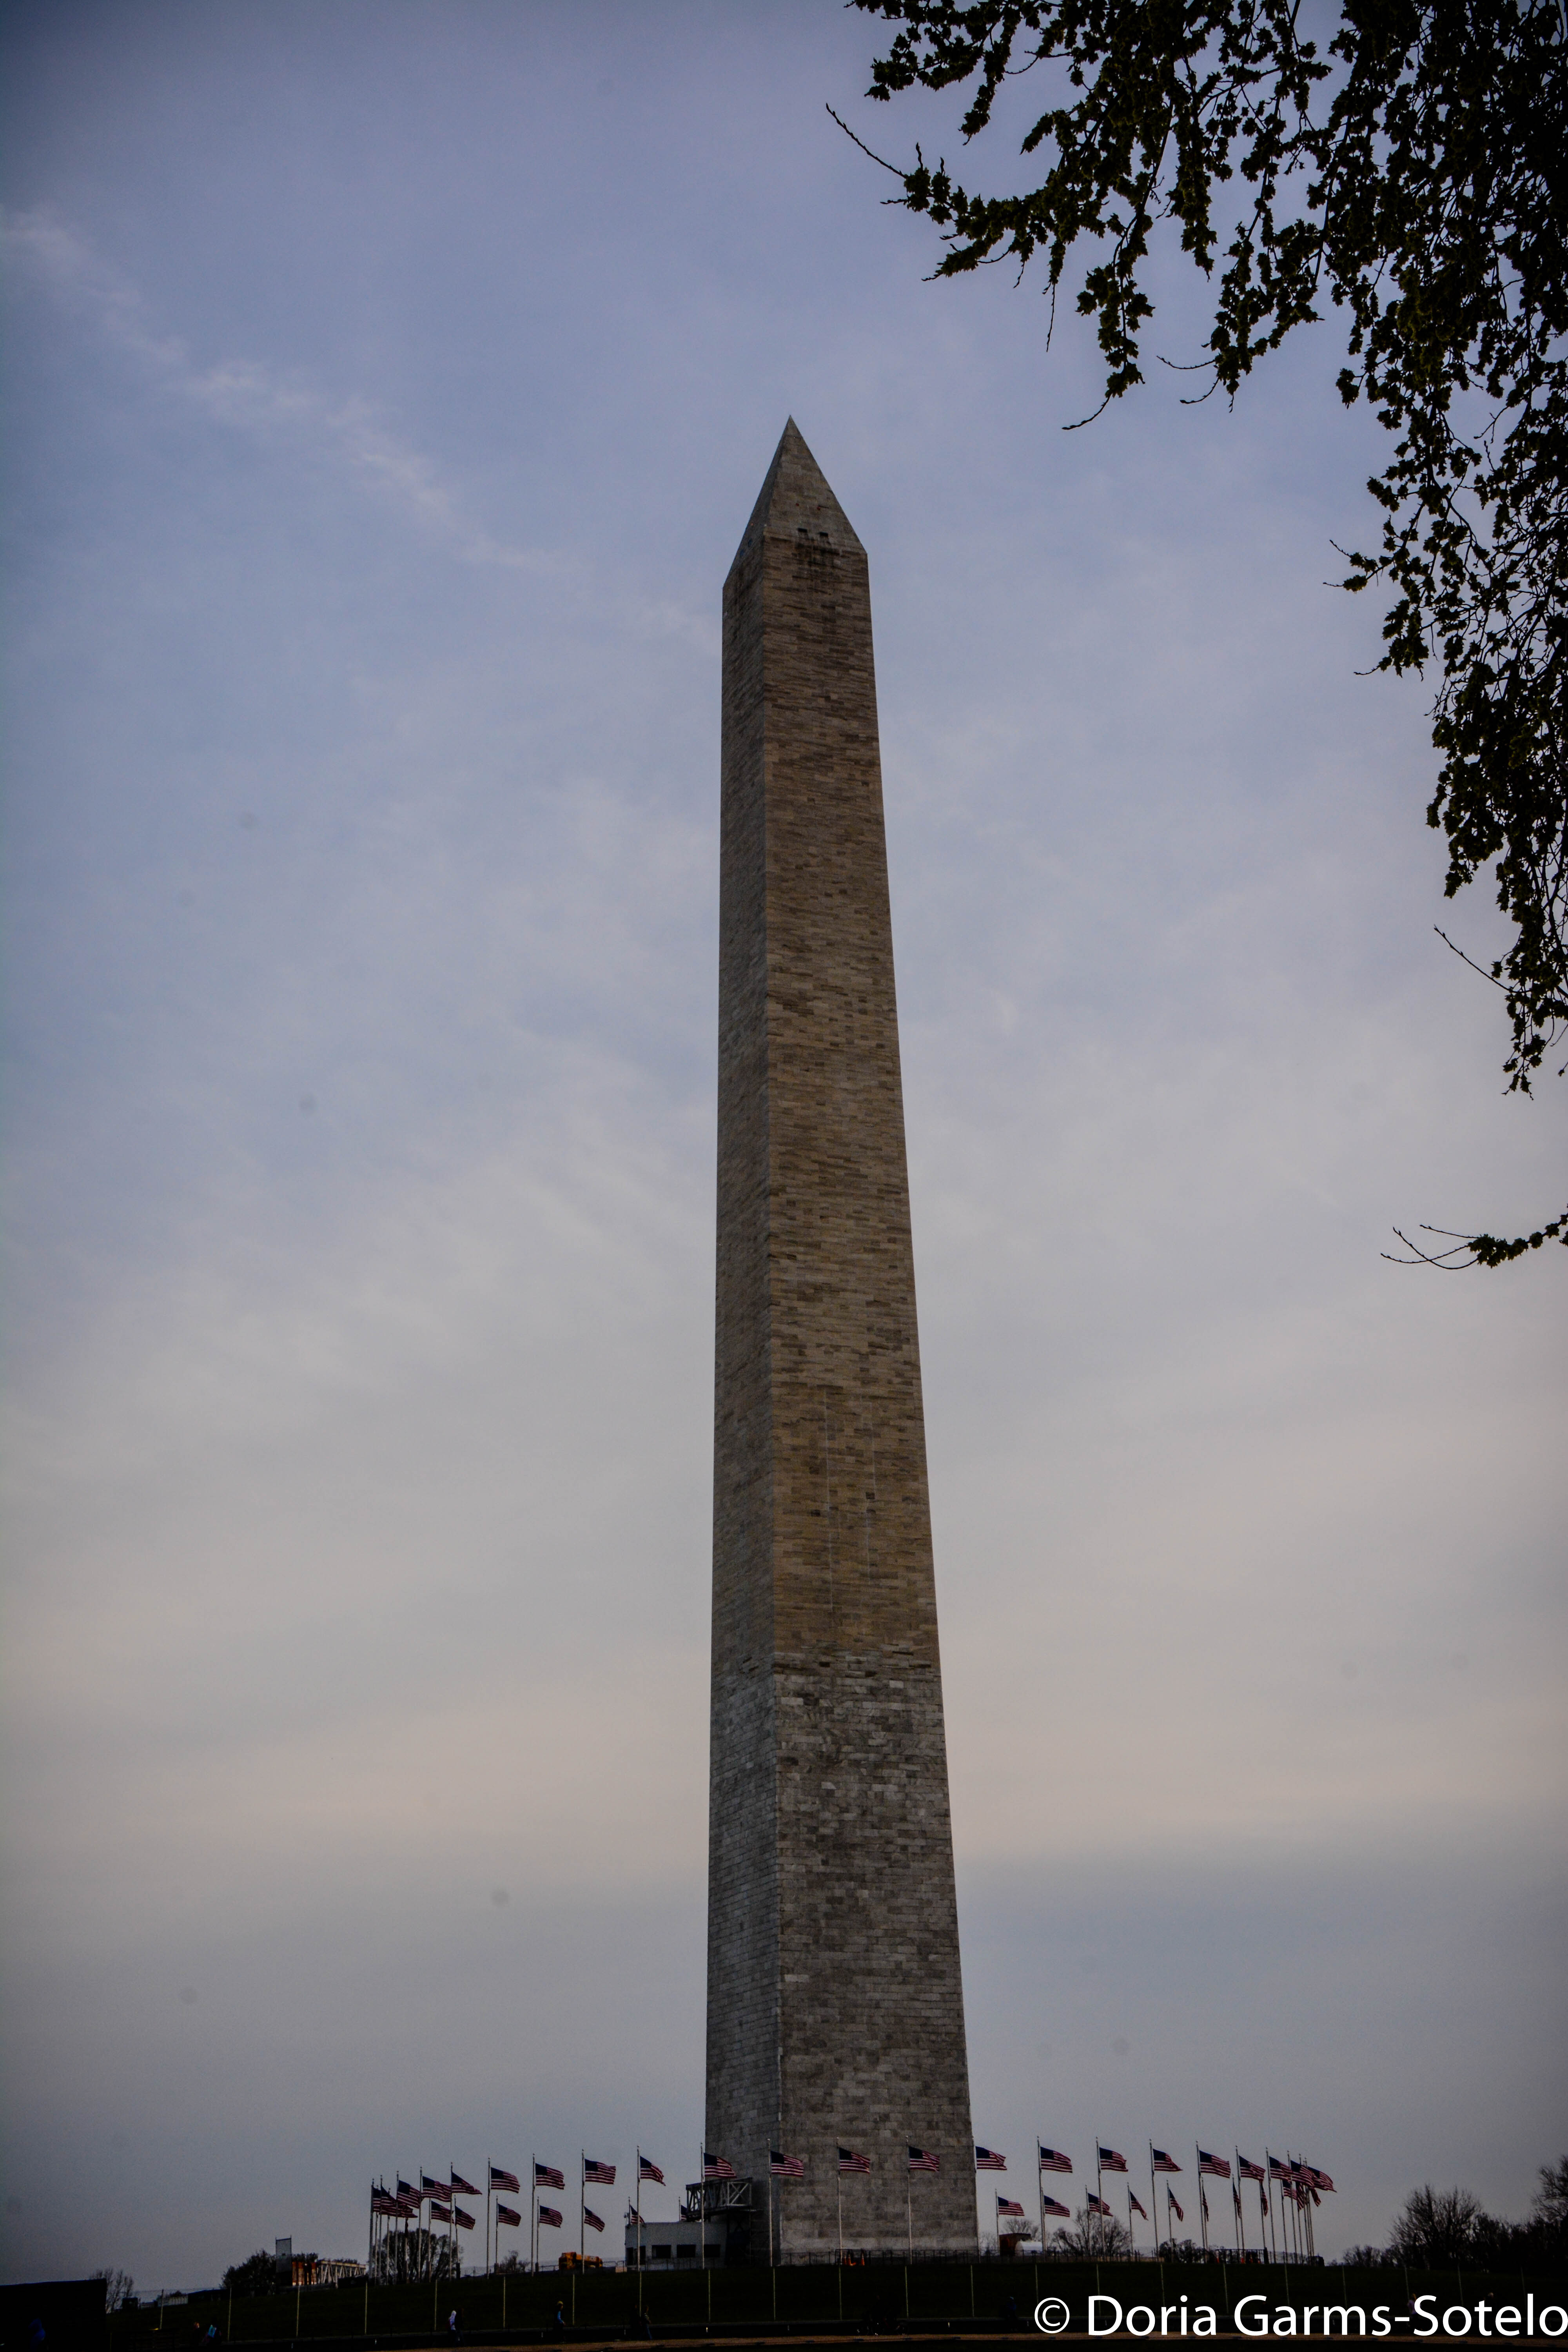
{"type": "Point", "coordinates": [835, 2005]}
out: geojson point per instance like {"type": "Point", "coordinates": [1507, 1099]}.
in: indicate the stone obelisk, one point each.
{"type": "Point", "coordinates": [835, 2006]}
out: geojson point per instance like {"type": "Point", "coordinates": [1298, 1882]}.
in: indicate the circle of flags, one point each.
{"type": "Point", "coordinates": [1301, 2189]}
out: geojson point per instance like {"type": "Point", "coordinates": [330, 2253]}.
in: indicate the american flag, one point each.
{"type": "Point", "coordinates": [463, 2221]}
{"type": "Point", "coordinates": [1098, 2205]}
{"type": "Point", "coordinates": [1236, 2199]}
{"type": "Point", "coordinates": [1159, 2162]}
{"type": "Point", "coordinates": [428, 2188]}
{"type": "Point", "coordinates": [405, 2187]}
{"type": "Point", "coordinates": [499, 2179]}
{"type": "Point", "coordinates": [1111, 2161]}
{"type": "Point", "coordinates": [509, 2214]}
{"type": "Point", "coordinates": [849, 2160]}
{"type": "Point", "coordinates": [1219, 2167]}
{"type": "Point", "coordinates": [380, 2203]}
{"type": "Point", "coordinates": [549, 2218]}
{"type": "Point", "coordinates": [546, 2177]}
{"type": "Point", "coordinates": [648, 2171]}
{"type": "Point", "coordinates": [591, 2218]}
{"type": "Point", "coordinates": [1248, 2170]}
{"type": "Point", "coordinates": [1050, 2205]}
{"type": "Point", "coordinates": [1053, 2160]}
{"type": "Point", "coordinates": [1203, 2199]}
{"type": "Point", "coordinates": [602, 2176]}
{"type": "Point", "coordinates": [1172, 2203]}
{"type": "Point", "coordinates": [717, 2168]}
{"type": "Point", "coordinates": [439, 2213]}
{"type": "Point", "coordinates": [1135, 2206]}
{"type": "Point", "coordinates": [988, 2160]}
{"type": "Point", "coordinates": [1006, 2205]}
{"type": "Point", "coordinates": [1321, 2180]}
{"type": "Point", "coordinates": [922, 2160]}
{"type": "Point", "coordinates": [785, 2167]}
{"type": "Point", "coordinates": [1278, 2171]}
{"type": "Point", "coordinates": [461, 2187]}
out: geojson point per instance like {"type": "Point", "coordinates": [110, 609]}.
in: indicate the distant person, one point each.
{"type": "Point", "coordinates": [452, 2328]}
{"type": "Point", "coordinates": [559, 2322]}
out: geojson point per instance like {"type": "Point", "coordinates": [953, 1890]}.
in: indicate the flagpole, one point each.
{"type": "Point", "coordinates": [1203, 2203]}
{"type": "Point", "coordinates": [908, 2205]}
{"type": "Point", "coordinates": [1270, 2247]}
{"type": "Point", "coordinates": [1099, 2196]}
{"type": "Point", "coordinates": [1154, 2202]}
{"type": "Point", "coordinates": [1040, 2190]}
{"type": "Point", "coordinates": [702, 2207]}
{"type": "Point", "coordinates": [1240, 2206]}
{"type": "Point", "coordinates": [841, 2220]}
{"type": "Point", "coordinates": [1269, 2185]}
{"type": "Point", "coordinates": [1131, 2241]}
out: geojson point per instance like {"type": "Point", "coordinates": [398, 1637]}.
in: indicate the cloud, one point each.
{"type": "Point", "coordinates": [253, 398]}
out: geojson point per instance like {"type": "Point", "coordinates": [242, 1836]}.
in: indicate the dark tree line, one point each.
{"type": "Point", "coordinates": [1441, 2229]}
{"type": "Point", "coordinates": [1412, 174]}
{"type": "Point", "coordinates": [259, 2273]}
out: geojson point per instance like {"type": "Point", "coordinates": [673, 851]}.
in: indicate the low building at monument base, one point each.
{"type": "Point", "coordinates": [676, 2245]}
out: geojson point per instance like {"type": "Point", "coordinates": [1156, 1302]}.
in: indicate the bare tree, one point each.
{"type": "Point", "coordinates": [1552, 2197]}
{"type": "Point", "coordinates": [1437, 2227]}
{"type": "Point", "coordinates": [1090, 2238]}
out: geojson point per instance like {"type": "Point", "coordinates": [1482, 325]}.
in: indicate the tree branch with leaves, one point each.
{"type": "Point", "coordinates": [1411, 174]}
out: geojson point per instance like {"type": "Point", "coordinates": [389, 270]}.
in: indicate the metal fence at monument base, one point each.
{"type": "Point", "coordinates": [938, 2298]}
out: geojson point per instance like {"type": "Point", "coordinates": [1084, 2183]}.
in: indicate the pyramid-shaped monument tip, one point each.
{"type": "Point", "coordinates": [795, 501]}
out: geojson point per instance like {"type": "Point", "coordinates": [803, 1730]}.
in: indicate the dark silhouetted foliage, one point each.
{"type": "Point", "coordinates": [257, 2274]}
{"type": "Point", "coordinates": [1410, 172]}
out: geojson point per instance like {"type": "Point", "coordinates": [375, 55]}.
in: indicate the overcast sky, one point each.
{"type": "Point", "coordinates": [388, 388]}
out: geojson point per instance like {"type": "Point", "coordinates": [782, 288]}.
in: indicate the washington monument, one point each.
{"type": "Point", "coordinates": [834, 2004]}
